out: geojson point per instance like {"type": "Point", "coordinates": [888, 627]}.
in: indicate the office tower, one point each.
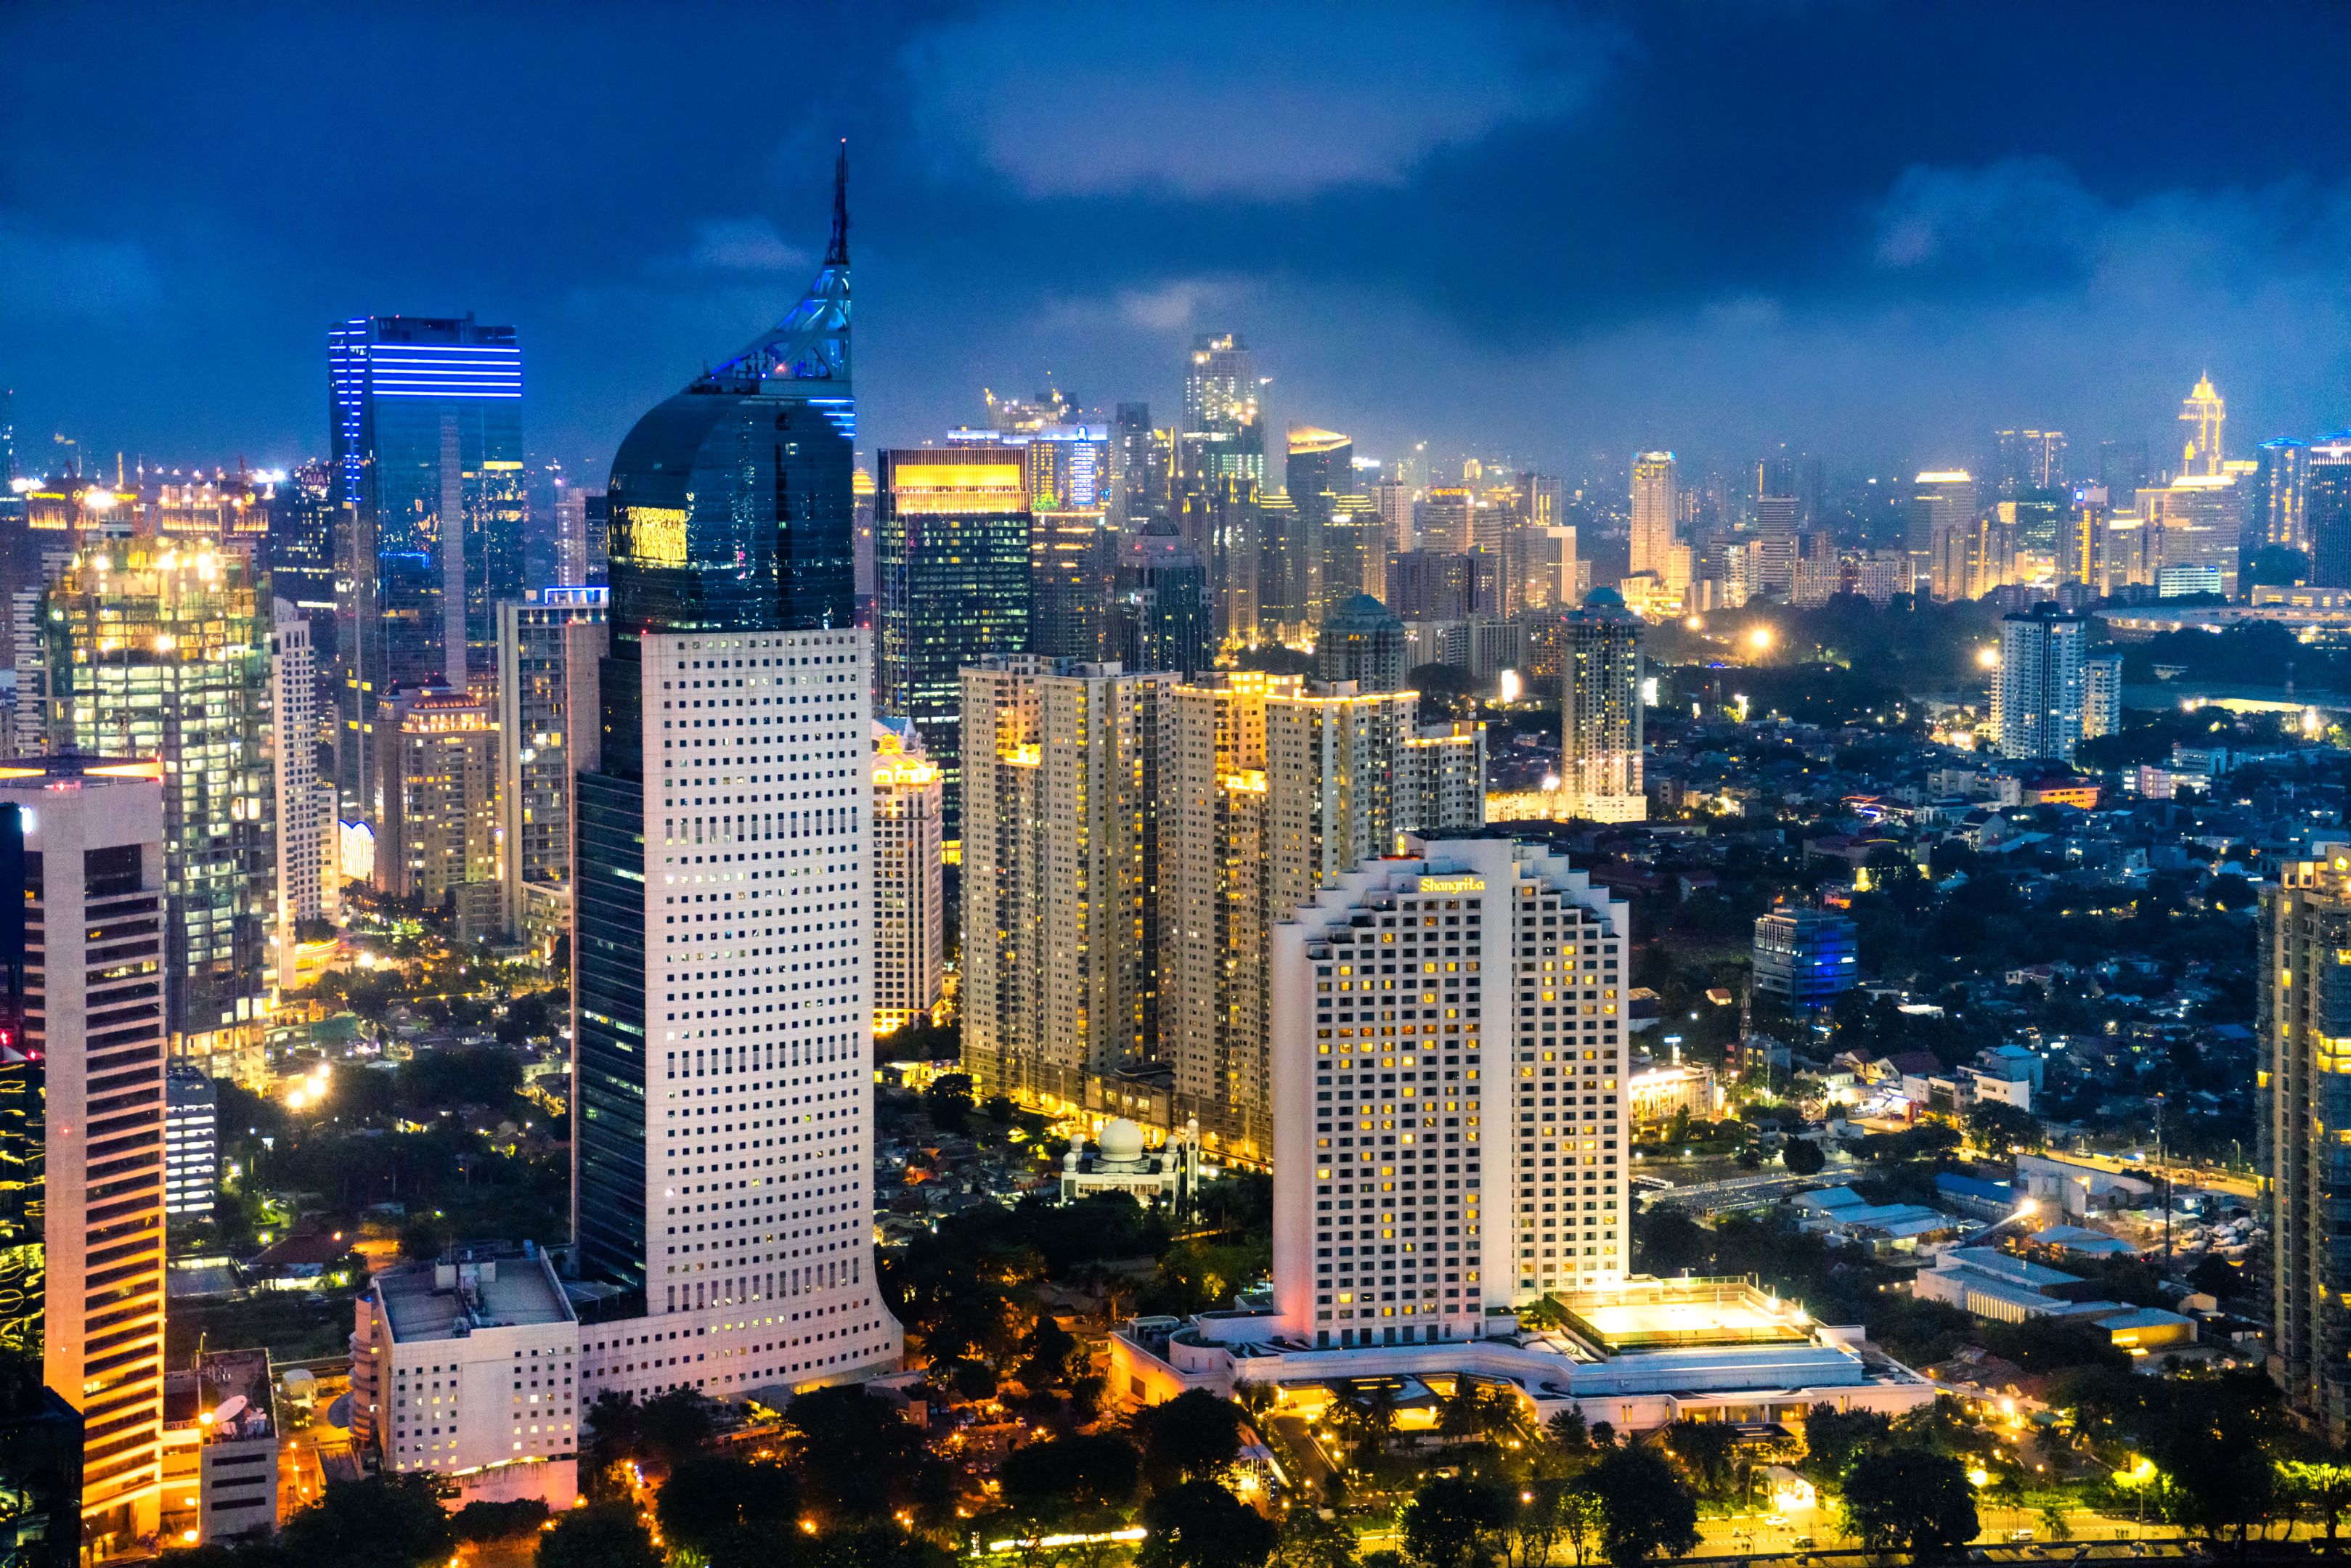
{"type": "Point", "coordinates": [302, 806]}
{"type": "Point", "coordinates": [909, 904]}
{"type": "Point", "coordinates": [579, 520]}
{"type": "Point", "coordinates": [2327, 510]}
{"type": "Point", "coordinates": [1442, 786]}
{"type": "Point", "coordinates": [2206, 414]}
{"type": "Point", "coordinates": [2123, 468]}
{"type": "Point", "coordinates": [427, 453]}
{"type": "Point", "coordinates": [1942, 520]}
{"type": "Point", "coordinates": [1073, 572]}
{"type": "Point", "coordinates": [1444, 521]}
{"type": "Point", "coordinates": [1354, 551]}
{"type": "Point", "coordinates": [2037, 698]}
{"type": "Point", "coordinates": [2102, 695]}
{"type": "Point", "coordinates": [1601, 715]}
{"type": "Point", "coordinates": [2027, 460]}
{"type": "Point", "coordinates": [467, 1368]}
{"type": "Point", "coordinates": [81, 1222]}
{"type": "Point", "coordinates": [1497, 1038]}
{"type": "Point", "coordinates": [1223, 438]}
{"type": "Point", "coordinates": [2304, 1000]}
{"type": "Point", "coordinates": [190, 1142]}
{"type": "Point", "coordinates": [1060, 983]}
{"type": "Point", "coordinates": [1805, 957]}
{"type": "Point", "coordinates": [1222, 521]}
{"type": "Point", "coordinates": [1656, 509]}
{"type": "Point", "coordinates": [1543, 500]}
{"type": "Point", "coordinates": [161, 650]}
{"type": "Point", "coordinates": [955, 574]}
{"type": "Point", "coordinates": [1069, 468]}
{"type": "Point", "coordinates": [1272, 790]}
{"type": "Point", "coordinates": [1361, 640]}
{"type": "Point", "coordinates": [1424, 585]}
{"type": "Point", "coordinates": [2195, 529]}
{"type": "Point", "coordinates": [548, 646]}
{"type": "Point", "coordinates": [2277, 506]}
{"type": "Point", "coordinates": [866, 573]}
{"type": "Point", "coordinates": [732, 589]}
{"type": "Point", "coordinates": [2082, 544]}
{"type": "Point", "coordinates": [301, 550]}
{"type": "Point", "coordinates": [1321, 469]}
{"type": "Point", "coordinates": [1394, 500]}
{"type": "Point", "coordinates": [437, 806]}
{"type": "Point", "coordinates": [1554, 572]}
{"type": "Point", "coordinates": [1160, 615]}
{"type": "Point", "coordinates": [1772, 568]}
{"type": "Point", "coordinates": [1141, 488]}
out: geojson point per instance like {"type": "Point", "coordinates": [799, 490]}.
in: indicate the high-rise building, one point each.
{"type": "Point", "coordinates": [81, 1064]}
{"type": "Point", "coordinates": [2206, 414]}
{"type": "Point", "coordinates": [1321, 475]}
{"type": "Point", "coordinates": [1601, 714]}
{"type": "Point", "coordinates": [2302, 983]}
{"type": "Point", "coordinates": [1394, 500]}
{"type": "Point", "coordinates": [1514, 1144]}
{"type": "Point", "coordinates": [302, 805]}
{"type": "Point", "coordinates": [1805, 957]}
{"type": "Point", "coordinates": [548, 645]}
{"type": "Point", "coordinates": [437, 806]}
{"type": "Point", "coordinates": [2195, 527]}
{"type": "Point", "coordinates": [953, 563]}
{"type": "Point", "coordinates": [1446, 521]}
{"type": "Point", "coordinates": [1072, 570]}
{"type": "Point", "coordinates": [427, 457]}
{"type": "Point", "coordinates": [1656, 509]}
{"type": "Point", "coordinates": [1772, 567]}
{"type": "Point", "coordinates": [1444, 778]}
{"type": "Point", "coordinates": [2027, 460]}
{"type": "Point", "coordinates": [909, 903]}
{"type": "Point", "coordinates": [157, 648]}
{"type": "Point", "coordinates": [303, 508]}
{"type": "Point", "coordinates": [1361, 640]}
{"type": "Point", "coordinates": [2037, 692]}
{"type": "Point", "coordinates": [1942, 520]}
{"type": "Point", "coordinates": [190, 1142]}
{"type": "Point", "coordinates": [1424, 585]}
{"type": "Point", "coordinates": [2327, 510]}
{"type": "Point", "coordinates": [2278, 516]}
{"type": "Point", "coordinates": [2082, 546]}
{"type": "Point", "coordinates": [735, 721]}
{"type": "Point", "coordinates": [580, 518]}
{"type": "Point", "coordinates": [1142, 483]}
{"type": "Point", "coordinates": [2102, 695]}
{"type": "Point", "coordinates": [1161, 617]}
{"type": "Point", "coordinates": [1223, 438]}
{"type": "Point", "coordinates": [1060, 983]}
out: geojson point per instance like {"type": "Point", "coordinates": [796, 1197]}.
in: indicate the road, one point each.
{"type": "Point", "coordinates": [2204, 1177]}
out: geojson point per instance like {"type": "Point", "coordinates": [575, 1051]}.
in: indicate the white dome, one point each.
{"type": "Point", "coordinates": [1120, 1140]}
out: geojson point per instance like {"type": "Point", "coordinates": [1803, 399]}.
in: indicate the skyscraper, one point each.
{"type": "Point", "coordinates": [1061, 853]}
{"type": "Point", "coordinates": [302, 806]}
{"type": "Point", "coordinates": [1514, 1026]}
{"type": "Point", "coordinates": [1223, 437]}
{"type": "Point", "coordinates": [722, 839]}
{"type": "Point", "coordinates": [1072, 570]}
{"type": "Point", "coordinates": [437, 806]}
{"type": "Point", "coordinates": [2327, 510]}
{"type": "Point", "coordinates": [1601, 714]}
{"type": "Point", "coordinates": [1657, 507]}
{"type": "Point", "coordinates": [955, 585]}
{"type": "Point", "coordinates": [1161, 619]}
{"type": "Point", "coordinates": [2303, 1002]}
{"type": "Point", "coordinates": [2277, 501]}
{"type": "Point", "coordinates": [909, 911]}
{"type": "Point", "coordinates": [549, 648]}
{"type": "Point", "coordinates": [427, 455]}
{"type": "Point", "coordinates": [303, 507]}
{"type": "Point", "coordinates": [1772, 567]}
{"type": "Point", "coordinates": [2037, 693]}
{"type": "Point", "coordinates": [1361, 640]}
{"type": "Point", "coordinates": [1942, 520]}
{"type": "Point", "coordinates": [2206, 414]}
{"type": "Point", "coordinates": [162, 650]}
{"type": "Point", "coordinates": [1140, 464]}
{"type": "Point", "coordinates": [1321, 471]}
{"type": "Point", "coordinates": [2027, 460]}
{"type": "Point", "coordinates": [81, 1061]}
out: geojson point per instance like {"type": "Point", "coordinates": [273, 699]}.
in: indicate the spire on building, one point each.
{"type": "Point", "coordinates": [811, 342]}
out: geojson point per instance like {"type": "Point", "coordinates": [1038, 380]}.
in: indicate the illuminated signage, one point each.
{"type": "Point", "coordinates": [1452, 884]}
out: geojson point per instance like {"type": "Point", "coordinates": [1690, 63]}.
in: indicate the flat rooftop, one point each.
{"type": "Point", "coordinates": [475, 1292]}
{"type": "Point", "coordinates": [1677, 1314]}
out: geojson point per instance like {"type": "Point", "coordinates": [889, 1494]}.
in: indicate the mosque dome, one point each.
{"type": "Point", "coordinates": [1120, 1141]}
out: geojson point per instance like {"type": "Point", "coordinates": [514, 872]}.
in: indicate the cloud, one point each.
{"type": "Point", "coordinates": [2016, 213]}
{"type": "Point", "coordinates": [1222, 99]}
{"type": "Point", "coordinates": [744, 245]}
{"type": "Point", "coordinates": [44, 272]}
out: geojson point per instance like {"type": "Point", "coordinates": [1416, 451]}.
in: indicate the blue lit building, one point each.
{"type": "Point", "coordinates": [427, 454]}
{"type": "Point", "coordinates": [720, 921]}
{"type": "Point", "coordinates": [1806, 958]}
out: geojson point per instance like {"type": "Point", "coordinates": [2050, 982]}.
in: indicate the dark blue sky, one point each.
{"type": "Point", "coordinates": [1874, 230]}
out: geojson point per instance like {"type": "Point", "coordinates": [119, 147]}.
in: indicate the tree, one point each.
{"type": "Point", "coordinates": [1310, 1540]}
{"type": "Point", "coordinates": [2320, 1491]}
{"type": "Point", "coordinates": [1568, 1433]}
{"type": "Point", "coordinates": [1911, 1500]}
{"type": "Point", "coordinates": [1367, 1414]}
{"type": "Point", "coordinates": [1449, 1519]}
{"type": "Point", "coordinates": [614, 1435]}
{"type": "Point", "coordinates": [1645, 1510]}
{"type": "Point", "coordinates": [382, 1522]}
{"type": "Point", "coordinates": [859, 1460]}
{"type": "Point", "coordinates": [1582, 1515]}
{"type": "Point", "coordinates": [2001, 1130]}
{"type": "Point", "coordinates": [948, 1101]}
{"type": "Point", "coordinates": [709, 1498]}
{"type": "Point", "coordinates": [1706, 1449]}
{"type": "Point", "coordinates": [482, 1522]}
{"type": "Point", "coordinates": [674, 1426]}
{"type": "Point", "coordinates": [601, 1535]}
{"type": "Point", "coordinates": [1073, 1474]}
{"type": "Point", "coordinates": [1802, 1156]}
{"type": "Point", "coordinates": [1833, 1438]}
{"type": "Point", "coordinates": [1195, 1436]}
{"type": "Point", "coordinates": [1200, 1524]}
{"type": "Point", "coordinates": [1050, 1351]}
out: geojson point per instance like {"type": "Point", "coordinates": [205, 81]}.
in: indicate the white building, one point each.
{"type": "Point", "coordinates": [1601, 713]}
{"type": "Point", "coordinates": [1121, 1162]}
{"type": "Point", "coordinates": [190, 1142]}
{"type": "Point", "coordinates": [548, 647]}
{"type": "Point", "coordinates": [468, 1369]}
{"type": "Point", "coordinates": [236, 1455]}
{"type": "Point", "coordinates": [305, 804]}
{"type": "Point", "coordinates": [909, 913]}
{"type": "Point", "coordinates": [2102, 695]}
{"type": "Point", "coordinates": [2038, 691]}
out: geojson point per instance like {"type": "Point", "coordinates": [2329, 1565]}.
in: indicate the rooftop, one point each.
{"type": "Point", "coordinates": [478, 1288]}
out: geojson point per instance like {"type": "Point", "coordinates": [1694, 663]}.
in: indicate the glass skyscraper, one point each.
{"type": "Point", "coordinates": [427, 417]}
{"type": "Point", "coordinates": [722, 1003]}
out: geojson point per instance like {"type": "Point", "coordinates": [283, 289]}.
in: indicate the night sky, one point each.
{"type": "Point", "coordinates": [1873, 230]}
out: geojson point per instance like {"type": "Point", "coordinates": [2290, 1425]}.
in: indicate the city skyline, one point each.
{"type": "Point", "coordinates": [1902, 281]}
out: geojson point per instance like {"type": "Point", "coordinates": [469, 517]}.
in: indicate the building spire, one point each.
{"type": "Point", "coordinates": [838, 254]}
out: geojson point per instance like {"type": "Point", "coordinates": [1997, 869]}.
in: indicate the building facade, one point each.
{"type": "Point", "coordinates": [1805, 957]}
{"type": "Point", "coordinates": [1601, 712]}
{"type": "Point", "coordinates": [1657, 509]}
{"type": "Point", "coordinates": [302, 804]}
{"type": "Point", "coordinates": [2038, 691]}
{"type": "Point", "coordinates": [909, 895]}
{"type": "Point", "coordinates": [190, 1142]}
{"type": "Point", "coordinates": [437, 806]}
{"type": "Point", "coordinates": [548, 647]}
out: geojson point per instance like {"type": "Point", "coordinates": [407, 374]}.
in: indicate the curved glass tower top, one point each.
{"type": "Point", "coordinates": [730, 504]}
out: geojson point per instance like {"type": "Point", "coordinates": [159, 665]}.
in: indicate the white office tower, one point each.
{"type": "Point", "coordinates": [909, 879]}
{"type": "Point", "coordinates": [1448, 1060]}
{"type": "Point", "coordinates": [190, 1142]}
{"type": "Point", "coordinates": [81, 1081]}
{"type": "Point", "coordinates": [2038, 693]}
{"type": "Point", "coordinates": [305, 805]}
{"type": "Point", "coordinates": [722, 959]}
{"type": "Point", "coordinates": [1656, 509]}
